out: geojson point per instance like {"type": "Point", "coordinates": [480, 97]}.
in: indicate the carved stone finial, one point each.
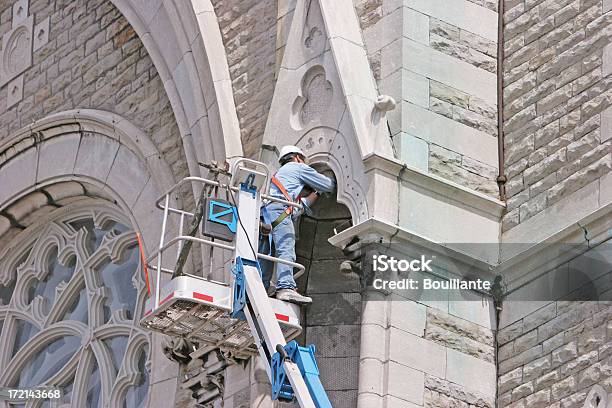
{"type": "Point", "coordinates": [385, 103]}
{"type": "Point", "coordinates": [382, 105]}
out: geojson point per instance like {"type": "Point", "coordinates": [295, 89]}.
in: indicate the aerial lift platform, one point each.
{"type": "Point", "coordinates": [237, 317]}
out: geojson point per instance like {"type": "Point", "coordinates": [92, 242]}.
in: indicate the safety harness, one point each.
{"type": "Point", "coordinates": [289, 210]}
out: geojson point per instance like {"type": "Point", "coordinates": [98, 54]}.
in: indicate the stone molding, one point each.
{"type": "Point", "coordinates": [184, 42]}
{"type": "Point", "coordinates": [325, 102]}
{"type": "Point", "coordinates": [122, 144]}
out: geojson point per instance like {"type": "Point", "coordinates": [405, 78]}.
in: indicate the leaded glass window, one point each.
{"type": "Point", "coordinates": [71, 293]}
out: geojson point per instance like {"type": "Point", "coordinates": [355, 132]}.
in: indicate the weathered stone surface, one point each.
{"type": "Point", "coordinates": [564, 388]}
{"type": "Point", "coordinates": [535, 368]}
{"type": "Point", "coordinates": [568, 93]}
{"type": "Point", "coordinates": [539, 399]}
{"type": "Point", "coordinates": [522, 390]}
{"type": "Point", "coordinates": [460, 343]}
{"type": "Point", "coordinates": [564, 354]}
{"type": "Point", "coordinates": [510, 380]}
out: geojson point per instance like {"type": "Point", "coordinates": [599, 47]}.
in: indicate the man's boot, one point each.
{"type": "Point", "coordinates": [291, 295]}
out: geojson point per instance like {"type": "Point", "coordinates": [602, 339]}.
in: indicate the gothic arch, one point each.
{"type": "Point", "coordinates": [98, 149]}
{"type": "Point", "coordinates": [184, 42]}
{"type": "Point", "coordinates": [330, 147]}
{"type": "Point", "coordinates": [77, 161]}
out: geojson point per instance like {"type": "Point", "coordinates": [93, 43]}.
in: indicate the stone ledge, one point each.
{"type": "Point", "coordinates": [374, 230]}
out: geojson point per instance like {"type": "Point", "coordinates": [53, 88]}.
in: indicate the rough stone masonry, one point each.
{"type": "Point", "coordinates": [557, 98]}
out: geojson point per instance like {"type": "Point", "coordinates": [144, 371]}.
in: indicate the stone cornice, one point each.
{"type": "Point", "coordinates": [374, 230]}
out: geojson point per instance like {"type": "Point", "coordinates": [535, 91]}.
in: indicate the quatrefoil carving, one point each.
{"type": "Point", "coordinates": [314, 98]}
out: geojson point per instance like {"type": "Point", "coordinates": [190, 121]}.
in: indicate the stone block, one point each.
{"type": "Point", "coordinates": [417, 353]}
{"type": "Point", "coordinates": [335, 341]}
{"type": "Point", "coordinates": [334, 309]}
{"type": "Point", "coordinates": [472, 307]}
{"type": "Point", "coordinates": [522, 390]}
{"type": "Point", "coordinates": [96, 156]}
{"type": "Point", "coordinates": [526, 341]}
{"type": "Point", "coordinates": [57, 156]}
{"type": "Point", "coordinates": [405, 383]}
{"type": "Point", "coordinates": [547, 166]}
{"type": "Point", "coordinates": [128, 176]}
{"type": "Point", "coordinates": [18, 174]}
{"type": "Point", "coordinates": [413, 151]}
{"type": "Point", "coordinates": [520, 359]}
{"type": "Point", "coordinates": [581, 179]}
{"type": "Point", "coordinates": [339, 373]}
{"type": "Point", "coordinates": [564, 388]}
{"type": "Point", "coordinates": [448, 133]}
{"type": "Point", "coordinates": [472, 373]}
{"type": "Point", "coordinates": [415, 25]}
{"type": "Point", "coordinates": [510, 380]}
{"type": "Point", "coordinates": [539, 399]}
{"type": "Point", "coordinates": [462, 14]}
{"type": "Point", "coordinates": [457, 342]}
{"type": "Point", "coordinates": [443, 68]}
{"type": "Point", "coordinates": [547, 380]}
{"type": "Point", "coordinates": [408, 316]}
{"type": "Point", "coordinates": [564, 353]}
{"type": "Point", "coordinates": [536, 368]}
{"type": "Point", "coordinates": [580, 363]}
{"type": "Point", "coordinates": [325, 277]}
{"type": "Point", "coordinates": [532, 206]}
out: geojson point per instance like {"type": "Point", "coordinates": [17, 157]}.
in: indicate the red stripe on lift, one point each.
{"type": "Point", "coordinates": [148, 312]}
{"type": "Point", "coordinates": [282, 317]}
{"type": "Point", "coordinates": [167, 298]}
{"type": "Point", "coordinates": [201, 296]}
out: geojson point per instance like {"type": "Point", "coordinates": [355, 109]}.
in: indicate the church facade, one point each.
{"type": "Point", "coordinates": [473, 133]}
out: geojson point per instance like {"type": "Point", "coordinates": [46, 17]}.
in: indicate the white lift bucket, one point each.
{"type": "Point", "coordinates": [198, 309]}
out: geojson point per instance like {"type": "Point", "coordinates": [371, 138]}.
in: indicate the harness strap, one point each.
{"type": "Point", "coordinates": [285, 193]}
{"type": "Point", "coordinates": [289, 210]}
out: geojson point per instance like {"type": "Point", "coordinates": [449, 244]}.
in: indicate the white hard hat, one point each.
{"type": "Point", "coordinates": [285, 150]}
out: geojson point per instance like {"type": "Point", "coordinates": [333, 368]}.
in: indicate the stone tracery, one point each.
{"type": "Point", "coordinates": [70, 294]}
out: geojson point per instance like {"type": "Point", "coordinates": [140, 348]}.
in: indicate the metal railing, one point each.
{"type": "Point", "coordinates": [164, 204]}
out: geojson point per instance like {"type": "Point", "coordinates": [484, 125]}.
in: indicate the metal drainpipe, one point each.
{"type": "Point", "coordinates": [501, 178]}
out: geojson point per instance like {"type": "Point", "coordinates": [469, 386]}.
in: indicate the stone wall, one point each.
{"type": "Point", "coordinates": [557, 98]}
{"type": "Point", "coordinates": [93, 59]}
{"type": "Point", "coordinates": [553, 356]}
{"type": "Point", "coordinates": [248, 28]}
{"type": "Point", "coordinates": [332, 322]}
{"type": "Point", "coordinates": [438, 60]}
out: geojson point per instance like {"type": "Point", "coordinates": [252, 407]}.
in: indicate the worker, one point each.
{"type": "Point", "coordinates": [295, 181]}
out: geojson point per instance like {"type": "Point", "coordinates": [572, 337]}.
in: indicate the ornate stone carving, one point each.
{"type": "Point", "coordinates": [313, 38]}
{"type": "Point", "coordinates": [314, 98]}
{"type": "Point", "coordinates": [313, 34]}
{"type": "Point", "coordinates": [41, 34]}
{"type": "Point", "coordinates": [15, 91]}
{"type": "Point", "coordinates": [18, 45]}
{"type": "Point", "coordinates": [324, 144]}
{"type": "Point", "coordinates": [17, 50]}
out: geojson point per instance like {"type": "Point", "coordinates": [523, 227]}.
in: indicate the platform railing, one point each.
{"type": "Point", "coordinates": [155, 260]}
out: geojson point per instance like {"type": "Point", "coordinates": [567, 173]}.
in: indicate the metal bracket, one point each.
{"type": "Point", "coordinates": [304, 358]}
{"type": "Point", "coordinates": [240, 286]}
{"type": "Point", "coordinates": [216, 216]}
